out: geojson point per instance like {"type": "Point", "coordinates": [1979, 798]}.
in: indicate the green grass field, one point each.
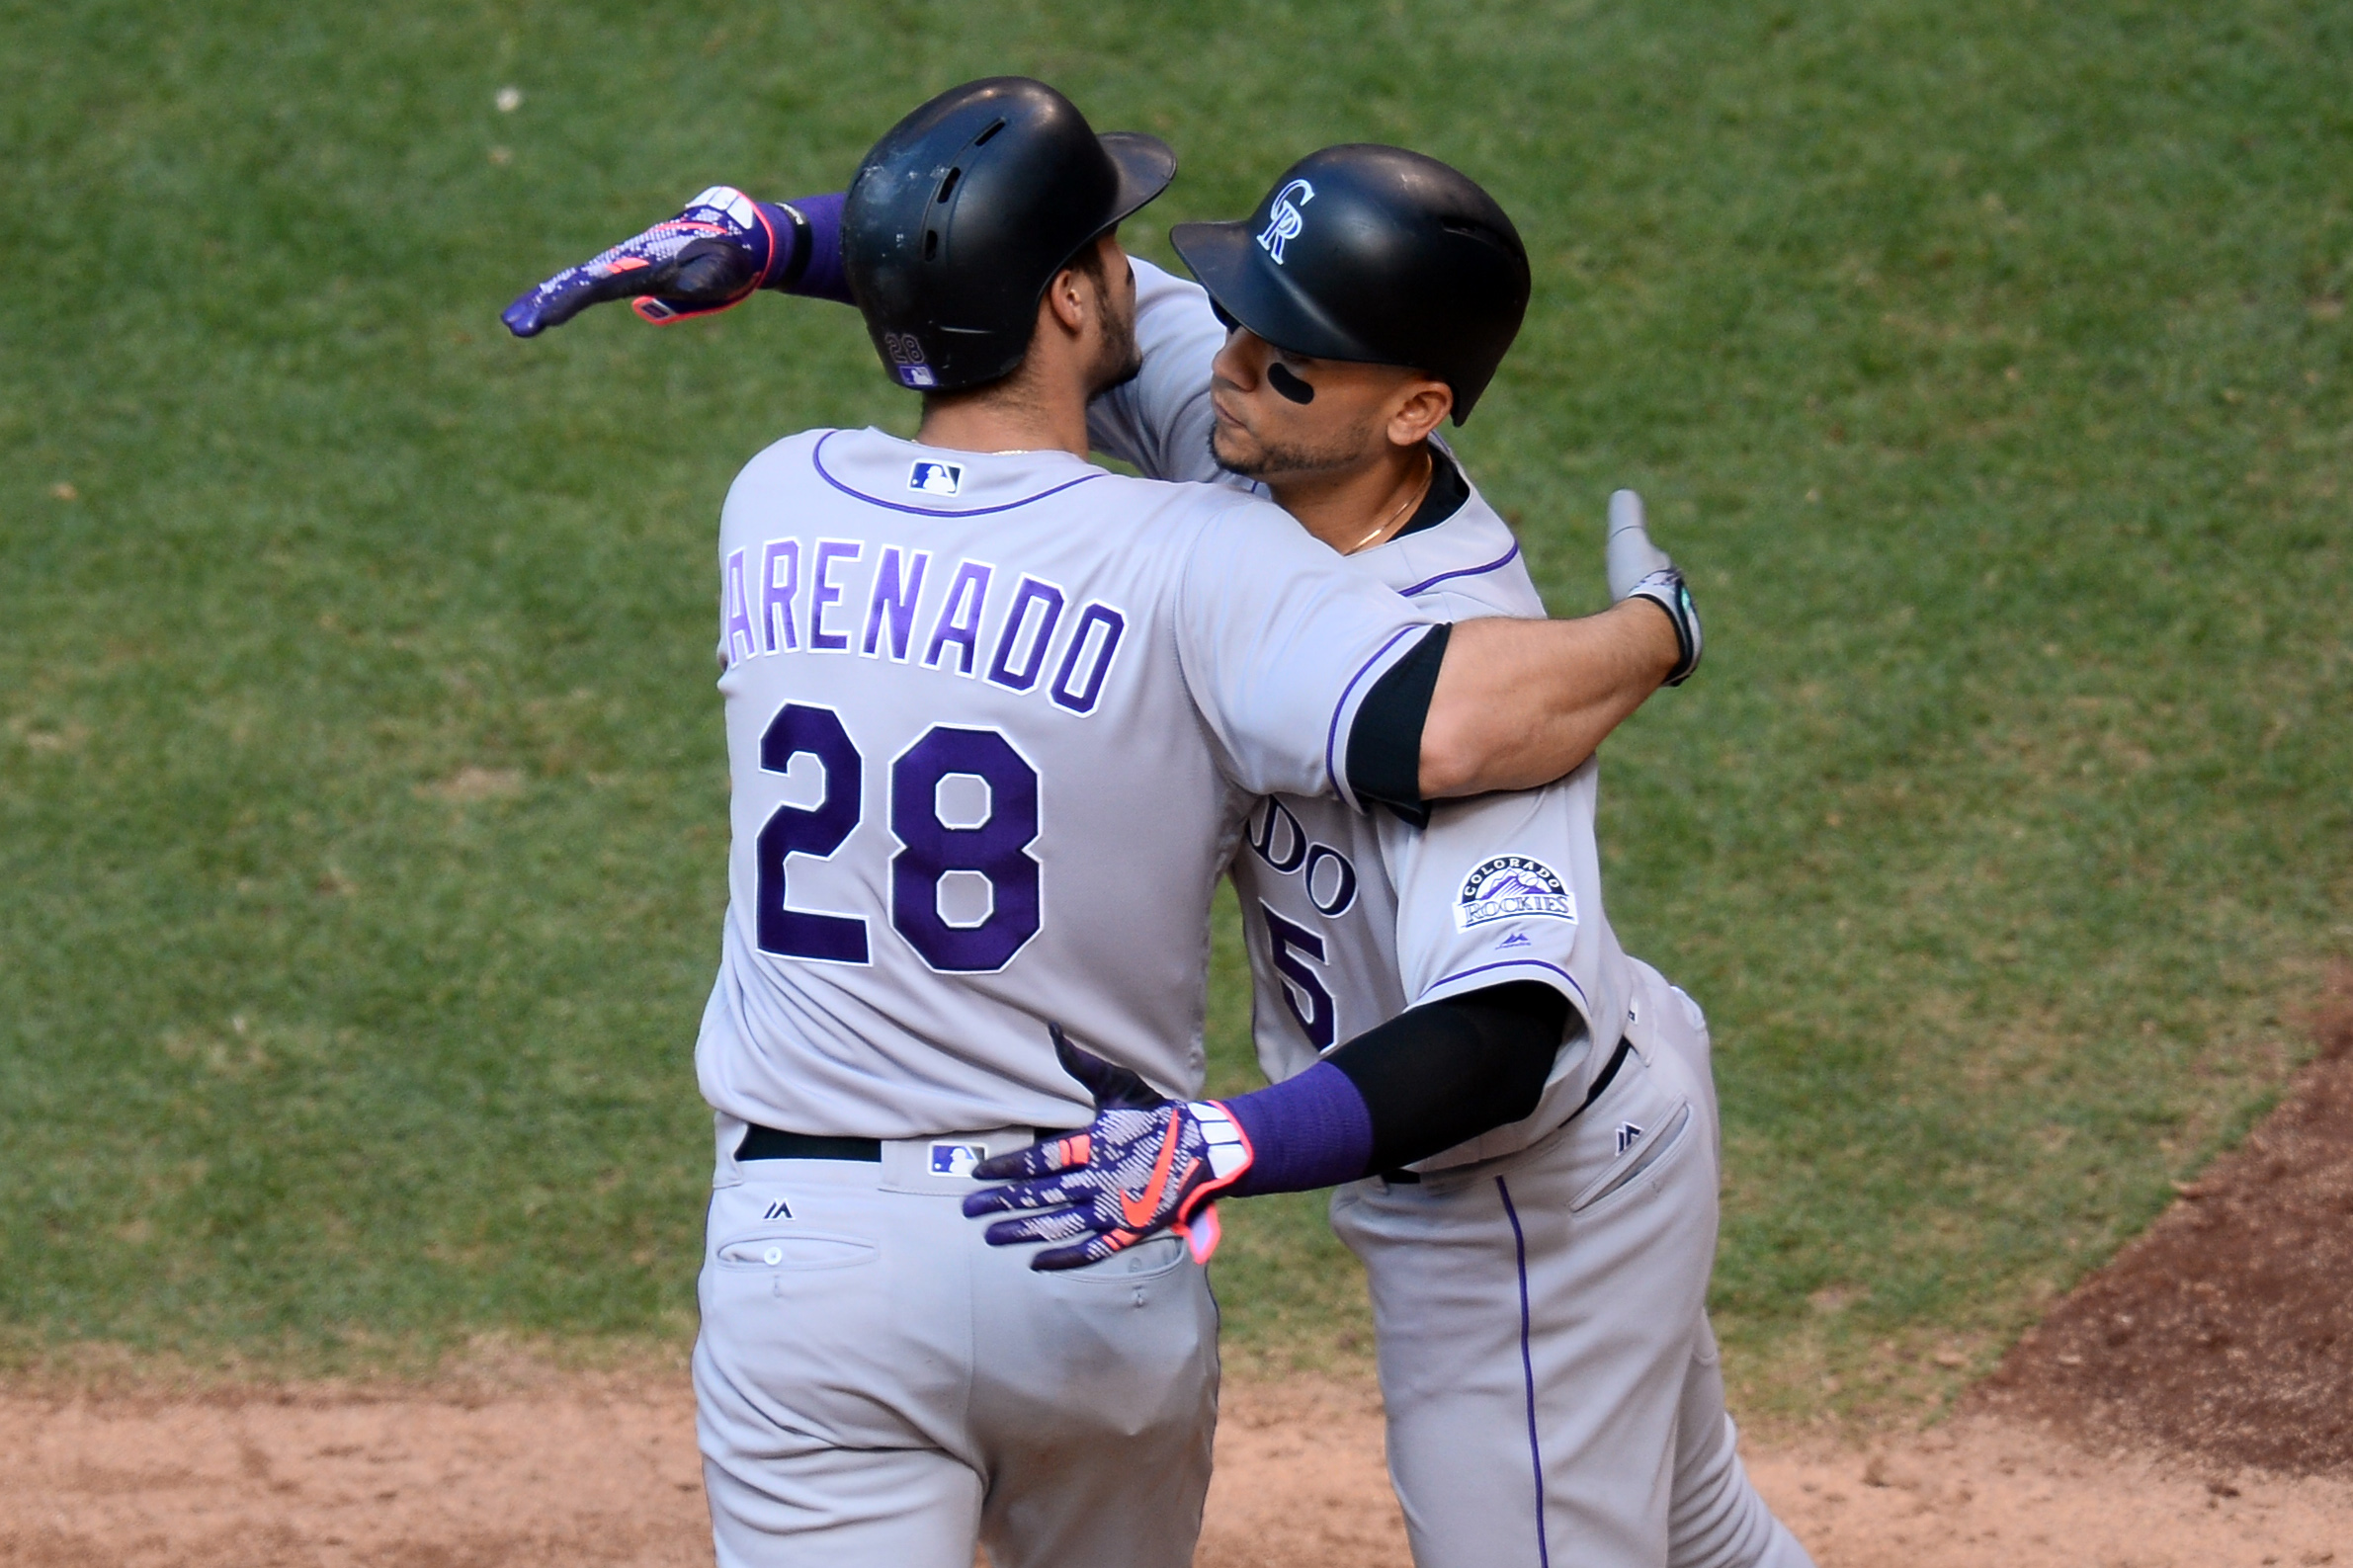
{"type": "Point", "coordinates": [361, 780]}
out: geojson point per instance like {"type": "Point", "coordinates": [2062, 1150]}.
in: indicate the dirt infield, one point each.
{"type": "Point", "coordinates": [602, 1471]}
{"type": "Point", "coordinates": [2225, 1331]}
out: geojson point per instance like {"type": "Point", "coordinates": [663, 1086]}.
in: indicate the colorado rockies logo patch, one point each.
{"type": "Point", "coordinates": [1284, 221]}
{"type": "Point", "coordinates": [1512, 887]}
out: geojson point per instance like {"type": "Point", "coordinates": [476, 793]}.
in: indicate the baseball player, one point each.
{"type": "Point", "coordinates": [995, 718]}
{"type": "Point", "coordinates": [1538, 1246]}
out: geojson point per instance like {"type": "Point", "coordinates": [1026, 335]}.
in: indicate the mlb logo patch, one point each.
{"type": "Point", "coordinates": [936, 479]}
{"type": "Point", "coordinates": [955, 1159]}
{"type": "Point", "coordinates": [906, 352]}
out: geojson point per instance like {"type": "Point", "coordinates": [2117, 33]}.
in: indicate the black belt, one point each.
{"type": "Point", "coordinates": [768, 1143]}
{"type": "Point", "coordinates": [1600, 1085]}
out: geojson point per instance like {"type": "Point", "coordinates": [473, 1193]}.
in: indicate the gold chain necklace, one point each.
{"type": "Point", "coordinates": [1429, 472]}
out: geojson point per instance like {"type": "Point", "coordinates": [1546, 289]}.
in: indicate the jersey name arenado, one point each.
{"type": "Point", "coordinates": [992, 720]}
{"type": "Point", "coordinates": [1350, 917]}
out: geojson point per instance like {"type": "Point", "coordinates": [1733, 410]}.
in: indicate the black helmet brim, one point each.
{"type": "Point", "coordinates": [1145, 164]}
{"type": "Point", "coordinates": [1227, 261]}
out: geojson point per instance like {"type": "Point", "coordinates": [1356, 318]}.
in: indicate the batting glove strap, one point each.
{"type": "Point", "coordinates": [1129, 1175]}
{"type": "Point", "coordinates": [1666, 589]}
{"type": "Point", "coordinates": [712, 255]}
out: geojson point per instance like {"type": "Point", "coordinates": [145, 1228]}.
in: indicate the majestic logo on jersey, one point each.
{"type": "Point", "coordinates": [906, 360]}
{"type": "Point", "coordinates": [1512, 887]}
{"type": "Point", "coordinates": [936, 479]}
{"type": "Point", "coordinates": [1284, 221]}
{"type": "Point", "coordinates": [1628, 1131]}
{"type": "Point", "coordinates": [955, 1159]}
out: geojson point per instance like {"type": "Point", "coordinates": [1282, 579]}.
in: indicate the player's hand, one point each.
{"type": "Point", "coordinates": [1640, 569]}
{"type": "Point", "coordinates": [1146, 1163]}
{"type": "Point", "coordinates": [709, 257]}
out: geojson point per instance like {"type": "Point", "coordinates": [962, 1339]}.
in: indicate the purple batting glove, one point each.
{"type": "Point", "coordinates": [1145, 1165]}
{"type": "Point", "coordinates": [711, 256]}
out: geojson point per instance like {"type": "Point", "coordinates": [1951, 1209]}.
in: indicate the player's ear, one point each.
{"type": "Point", "coordinates": [1419, 407]}
{"type": "Point", "coordinates": [1070, 297]}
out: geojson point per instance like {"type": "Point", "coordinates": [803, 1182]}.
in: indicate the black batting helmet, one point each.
{"type": "Point", "coordinates": [964, 211]}
{"type": "Point", "coordinates": [1376, 254]}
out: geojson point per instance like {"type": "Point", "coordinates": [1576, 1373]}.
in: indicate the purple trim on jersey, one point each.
{"type": "Point", "coordinates": [821, 276]}
{"type": "Point", "coordinates": [1331, 741]}
{"type": "Point", "coordinates": [1306, 1132]}
{"type": "Point", "coordinates": [817, 460]}
{"type": "Point", "coordinates": [1516, 963]}
{"type": "Point", "coordinates": [1536, 1453]}
{"type": "Point", "coordinates": [1495, 565]}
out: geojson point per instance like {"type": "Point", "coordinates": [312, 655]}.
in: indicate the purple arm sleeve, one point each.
{"type": "Point", "coordinates": [814, 267]}
{"type": "Point", "coordinates": [1306, 1132]}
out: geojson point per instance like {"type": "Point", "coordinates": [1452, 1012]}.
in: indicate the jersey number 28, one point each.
{"type": "Point", "coordinates": [996, 847]}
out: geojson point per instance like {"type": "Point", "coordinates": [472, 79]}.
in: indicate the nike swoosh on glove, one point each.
{"type": "Point", "coordinates": [712, 255]}
{"type": "Point", "coordinates": [1145, 1165]}
{"type": "Point", "coordinates": [1640, 569]}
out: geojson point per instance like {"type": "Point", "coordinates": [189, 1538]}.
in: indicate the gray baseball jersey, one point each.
{"type": "Point", "coordinates": [992, 720]}
{"type": "Point", "coordinates": [1554, 1386]}
{"type": "Point", "coordinates": [1354, 916]}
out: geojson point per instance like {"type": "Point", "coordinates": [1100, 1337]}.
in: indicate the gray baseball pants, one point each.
{"type": "Point", "coordinates": [1551, 1384]}
{"type": "Point", "coordinates": [875, 1384]}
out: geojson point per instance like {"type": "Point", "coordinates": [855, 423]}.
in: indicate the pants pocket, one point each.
{"type": "Point", "coordinates": [795, 1252]}
{"type": "Point", "coordinates": [1146, 1259]}
{"type": "Point", "coordinates": [1643, 1154]}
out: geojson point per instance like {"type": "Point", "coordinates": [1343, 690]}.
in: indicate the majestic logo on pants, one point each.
{"type": "Point", "coordinates": [1284, 219]}
{"type": "Point", "coordinates": [1512, 887]}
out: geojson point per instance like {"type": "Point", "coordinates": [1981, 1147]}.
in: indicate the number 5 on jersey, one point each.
{"type": "Point", "coordinates": [995, 849]}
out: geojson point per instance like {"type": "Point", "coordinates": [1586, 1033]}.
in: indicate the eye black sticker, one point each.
{"type": "Point", "coordinates": [1290, 386]}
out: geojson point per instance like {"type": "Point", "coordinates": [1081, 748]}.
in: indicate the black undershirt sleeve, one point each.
{"type": "Point", "coordinates": [1448, 1071]}
{"type": "Point", "coordinates": [1384, 745]}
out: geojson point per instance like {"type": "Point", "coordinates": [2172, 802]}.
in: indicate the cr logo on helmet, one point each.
{"type": "Point", "coordinates": [1284, 219]}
